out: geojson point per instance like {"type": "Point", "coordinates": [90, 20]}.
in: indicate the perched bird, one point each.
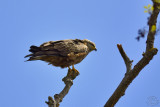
{"type": "Point", "coordinates": [62, 53]}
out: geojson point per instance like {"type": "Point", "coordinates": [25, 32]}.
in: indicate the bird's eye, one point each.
{"type": "Point", "coordinates": [93, 45]}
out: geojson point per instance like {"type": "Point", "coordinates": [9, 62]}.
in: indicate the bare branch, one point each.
{"type": "Point", "coordinates": [147, 57]}
{"type": "Point", "coordinates": [129, 78]}
{"type": "Point", "coordinates": [126, 59]}
{"type": "Point", "coordinates": [68, 80]}
{"type": "Point", "coordinates": [152, 22]}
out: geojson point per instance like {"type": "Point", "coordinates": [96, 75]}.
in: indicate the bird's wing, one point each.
{"type": "Point", "coordinates": [64, 47]}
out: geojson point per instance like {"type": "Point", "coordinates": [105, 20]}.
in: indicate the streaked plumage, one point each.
{"type": "Point", "coordinates": [62, 53]}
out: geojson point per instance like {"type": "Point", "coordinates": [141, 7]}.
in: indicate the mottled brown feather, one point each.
{"type": "Point", "coordinates": [63, 53]}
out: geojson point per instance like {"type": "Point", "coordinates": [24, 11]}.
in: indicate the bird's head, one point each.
{"type": "Point", "coordinates": [90, 45]}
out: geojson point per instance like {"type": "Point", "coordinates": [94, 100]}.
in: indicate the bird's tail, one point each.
{"type": "Point", "coordinates": [32, 56]}
{"type": "Point", "coordinates": [34, 49]}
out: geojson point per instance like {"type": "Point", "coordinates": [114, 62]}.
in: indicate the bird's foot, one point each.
{"type": "Point", "coordinates": [72, 73]}
{"type": "Point", "coordinates": [75, 70]}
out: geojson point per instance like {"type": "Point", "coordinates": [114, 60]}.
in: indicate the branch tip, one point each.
{"type": "Point", "coordinates": [119, 46]}
{"type": "Point", "coordinates": [126, 59]}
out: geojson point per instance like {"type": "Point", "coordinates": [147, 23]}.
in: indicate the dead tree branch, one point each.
{"type": "Point", "coordinates": [126, 59]}
{"type": "Point", "coordinates": [68, 80]}
{"type": "Point", "coordinates": [147, 57]}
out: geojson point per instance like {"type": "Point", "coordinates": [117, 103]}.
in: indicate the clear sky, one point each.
{"type": "Point", "coordinates": [106, 22]}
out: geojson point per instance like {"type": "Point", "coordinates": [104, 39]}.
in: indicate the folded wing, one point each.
{"type": "Point", "coordinates": [62, 48]}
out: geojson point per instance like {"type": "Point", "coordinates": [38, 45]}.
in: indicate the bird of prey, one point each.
{"type": "Point", "coordinates": [62, 53]}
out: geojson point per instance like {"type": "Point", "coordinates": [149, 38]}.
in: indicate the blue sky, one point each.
{"type": "Point", "coordinates": [31, 22]}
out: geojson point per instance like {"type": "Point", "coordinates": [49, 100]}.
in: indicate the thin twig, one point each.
{"type": "Point", "coordinates": [147, 57]}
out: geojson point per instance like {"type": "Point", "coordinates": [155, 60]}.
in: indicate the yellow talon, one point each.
{"type": "Point", "coordinates": [72, 72]}
{"type": "Point", "coordinates": [76, 71]}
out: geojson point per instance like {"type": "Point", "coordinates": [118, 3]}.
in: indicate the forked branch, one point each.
{"type": "Point", "coordinates": [147, 57]}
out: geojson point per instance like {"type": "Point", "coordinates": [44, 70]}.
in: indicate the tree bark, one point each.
{"type": "Point", "coordinates": [68, 80]}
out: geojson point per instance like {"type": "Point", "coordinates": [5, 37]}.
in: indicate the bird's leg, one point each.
{"type": "Point", "coordinates": [70, 72]}
{"type": "Point", "coordinates": [75, 71]}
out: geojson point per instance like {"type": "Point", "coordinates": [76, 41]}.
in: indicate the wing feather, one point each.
{"type": "Point", "coordinates": [64, 47]}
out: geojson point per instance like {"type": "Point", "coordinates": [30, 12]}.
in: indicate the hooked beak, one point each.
{"type": "Point", "coordinates": [95, 49]}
